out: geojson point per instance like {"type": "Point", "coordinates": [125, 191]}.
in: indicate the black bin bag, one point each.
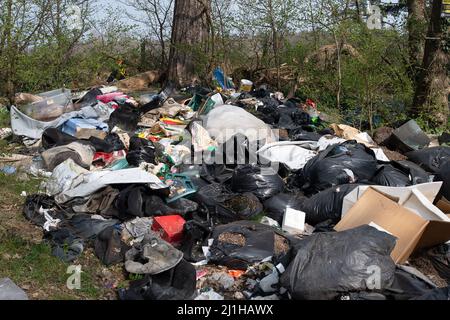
{"type": "Point", "coordinates": [389, 175]}
{"type": "Point", "coordinates": [326, 204]}
{"type": "Point", "coordinates": [240, 244]}
{"type": "Point", "coordinates": [262, 182]}
{"type": "Point", "coordinates": [343, 163]}
{"type": "Point", "coordinates": [276, 205]}
{"type": "Point", "coordinates": [431, 159]}
{"type": "Point", "coordinates": [141, 150]}
{"type": "Point", "coordinates": [329, 264]}
{"type": "Point", "coordinates": [227, 206]}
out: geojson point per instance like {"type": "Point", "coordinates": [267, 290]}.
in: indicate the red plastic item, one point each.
{"type": "Point", "coordinates": [170, 227]}
{"type": "Point", "coordinates": [106, 98]}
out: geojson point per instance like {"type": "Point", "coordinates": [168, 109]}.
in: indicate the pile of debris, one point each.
{"type": "Point", "coordinates": [234, 194]}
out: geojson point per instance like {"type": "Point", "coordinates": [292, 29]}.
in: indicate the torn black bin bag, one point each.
{"type": "Point", "coordinates": [440, 258]}
{"type": "Point", "coordinates": [275, 206]}
{"type": "Point", "coordinates": [408, 283]}
{"type": "Point", "coordinates": [227, 206]}
{"type": "Point", "coordinates": [141, 150]}
{"type": "Point", "coordinates": [326, 204]}
{"type": "Point", "coordinates": [431, 159]}
{"type": "Point", "coordinates": [327, 265]}
{"type": "Point", "coordinates": [435, 294]}
{"type": "Point", "coordinates": [239, 244]}
{"type": "Point", "coordinates": [126, 117]}
{"type": "Point", "coordinates": [196, 233]}
{"type": "Point", "coordinates": [155, 206]}
{"type": "Point", "coordinates": [444, 176]}
{"type": "Point", "coordinates": [65, 245]}
{"type": "Point", "coordinates": [417, 174]}
{"type": "Point", "coordinates": [90, 97]}
{"type": "Point", "coordinates": [177, 283]}
{"type": "Point", "coordinates": [83, 226]}
{"type": "Point", "coordinates": [32, 205]}
{"type": "Point", "coordinates": [299, 134]}
{"type": "Point", "coordinates": [292, 117]}
{"type": "Point", "coordinates": [388, 175]}
{"type": "Point", "coordinates": [111, 143]}
{"type": "Point", "coordinates": [444, 138]}
{"type": "Point", "coordinates": [109, 247]}
{"type": "Point", "coordinates": [53, 137]}
{"type": "Point", "coordinates": [131, 200]}
{"type": "Point", "coordinates": [262, 182]}
{"type": "Point", "coordinates": [338, 164]}
{"type": "Point", "coordinates": [216, 173]}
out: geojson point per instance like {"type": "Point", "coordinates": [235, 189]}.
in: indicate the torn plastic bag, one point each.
{"type": "Point", "coordinates": [262, 182]}
{"type": "Point", "coordinates": [22, 125]}
{"type": "Point", "coordinates": [93, 181]}
{"type": "Point", "coordinates": [300, 134]}
{"type": "Point", "coordinates": [126, 117]}
{"type": "Point", "coordinates": [435, 294]}
{"type": "Point", "coordinates": [329, 264]}
{"type": "Point", "coordinates": [388, 175]}
{"type": "Point", "coordinates": [326, 204]}
{"type": "Point", "coordinates": [10, 291]}
{"type": "Point", "coordinates": [141, 150]}
{"type": "Point", "coordinates": [431, 159]}
{"type": "Point", "coordinates": [109, 247]}
{"type": "Point", "coordinates": [177, 283]}
{"type": "Point", "coordinates": [90, 97]}
{"type": "Point", "coordinates": [65, 245]}
{"type": "Point", "coordinates": [226, 206]}
{"type": "Point", "coordinates": [224, 122]}
{"type": "Point", "coordinates": [275, 206]}
{"type": "Point", "coordinates": [444, 175]}
{"type": "Point", "coordinates": [216, 173]}
{"type": "Point", "coordinates": [440, 258]}
{"type": "Point", "coordinates": [33, 204]}
{"type": "Point", "coordinates": [62, 177]}
{"type": "Point", "coordinates": [240, 244]}
{"type": "Point", "coordinates": [155, 206]}
{"type": "Point", "coordinates": [408, 283]}
{"type": "Point", "coordinates": [110, 144]}
{"type": "Point", "coordinates": [292, 153]}
{"type": "Point", "coordinates": [292, 117]}
{"type": "Point", "coordinates": [53, 137]}
{"type": "Point", "coordinates": [417, 174]}
{"type": "Point", "coordinates": [196, 233]}
{"type": "Point", "coordinates": [85, 226]}
{"type": "Point", "coordinates": [347, 162]}
{"type": "Point", "coordinates": [152, 255]}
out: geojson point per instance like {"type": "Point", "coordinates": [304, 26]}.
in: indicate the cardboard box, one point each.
{"type": "Point", "coordinates": [419, 225]}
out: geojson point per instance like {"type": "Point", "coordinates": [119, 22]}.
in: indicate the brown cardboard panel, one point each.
{"type": "Point", "coordinates": [444, 205]}
{"type": "Point", "coordinates": [397, 220]}
{"type": "Point", "coordinates": [436, 232]}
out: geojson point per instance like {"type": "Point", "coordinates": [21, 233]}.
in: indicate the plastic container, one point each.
{"type": "Point", "coordinates": [246, 85]}
{"type": "Point", "coordinates": [170, 227]}
{"type": "Point", "coordinates": [54, 104]}
{"type": "Point", "coordinates": [181, 186]}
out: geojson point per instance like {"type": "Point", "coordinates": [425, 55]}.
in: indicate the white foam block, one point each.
{"type": "Point", "coordinates": [293, 221]}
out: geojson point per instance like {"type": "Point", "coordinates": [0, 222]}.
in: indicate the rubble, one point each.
{"type": "Point", "coordinates": [232, 193]}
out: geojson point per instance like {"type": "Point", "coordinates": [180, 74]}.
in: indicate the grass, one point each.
{"type": "Point", "coordinates": [28, 261]}
{"type": "Point", "coordinates": [4, 118]}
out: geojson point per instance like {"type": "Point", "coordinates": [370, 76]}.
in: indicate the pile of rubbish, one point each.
{"type": "Point", "coordinates": [234, 194]}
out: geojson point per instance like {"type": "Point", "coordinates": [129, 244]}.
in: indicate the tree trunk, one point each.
{"type": "Point", "coordinates": [189, 41]}
{"type": "Point", "coordinates": [430, 98]}
{"type": "Point", "coordinates": [417, 25]}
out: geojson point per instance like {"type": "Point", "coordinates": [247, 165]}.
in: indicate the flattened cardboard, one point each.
{"type": "Point", "coordinates": [411, 230]}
